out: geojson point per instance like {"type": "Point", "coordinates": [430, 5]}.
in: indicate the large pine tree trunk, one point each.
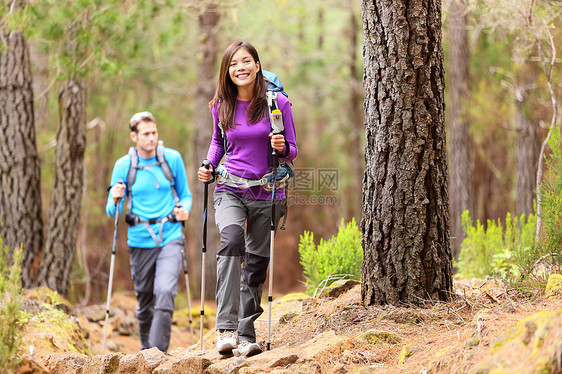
{"type": "Point", "coordinates": [405, 225]}
{"type": "Point", "coordinates": [66, 197]}
{"type": "Point", "coordinates": [21, 220]}
{"type": "Point", "coordinates": [203, 124]}
{"type": "Point", "coordinates": [461, 185]}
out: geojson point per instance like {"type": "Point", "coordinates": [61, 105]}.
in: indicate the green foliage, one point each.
{"type": "Point", "coordinates": [551, 196]}
{"type": "Point", "coordinates": [509, 252]}
{"type": "Point", "coordinates": [546, 259]}
{"type": "Point", "coordinates": [495, 249]}
{"type": "Point", "coordinates": [504, 265]}
{"type": "Point", "coordinates": [338, 256]}
{"type": "Point", "coordinates": [15, 18]}
{"type": "Point", "coordinates": [82, 35]}
{"type": "Point", "coordinates": [12, 318]}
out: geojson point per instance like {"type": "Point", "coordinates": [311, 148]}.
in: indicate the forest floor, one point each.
{"type": "Point", "coordinates": [453, 337]}
{"type": "Point", "coordinates": [444, 337]}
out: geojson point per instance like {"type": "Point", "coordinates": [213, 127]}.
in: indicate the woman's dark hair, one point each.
{"type": "Point", "coordinates": [226, 92]}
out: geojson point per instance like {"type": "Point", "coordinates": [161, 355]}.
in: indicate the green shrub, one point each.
{"type": "Point", "coordinates": [12, 318]}
{"type": "Point", "coordinates": [332, 259]}
{"type": "Point", "coordinates": [551, 197]}
{"type": "Point", "coordinates": [495, 249]}
{"type": "Point", "coordinates": [510, 252]}
{"type": "Point", "coordinates": [546, 257]}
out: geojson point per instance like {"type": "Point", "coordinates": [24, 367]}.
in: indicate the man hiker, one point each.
{"type": "Point", "coordinates": [154, 182]}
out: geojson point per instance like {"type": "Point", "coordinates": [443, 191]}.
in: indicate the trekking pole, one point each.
{"type": "Point", "coordinates": [271, 246]}
{"type": "Point", "coordinates": [186, 275]}
{"type": "Point", "coordinates": [206, 164]}
{"type": "Point", "coordinates": [111, 268]}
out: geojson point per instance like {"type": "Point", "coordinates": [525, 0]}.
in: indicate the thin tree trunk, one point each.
{"type": "Point", "coordinates": [21, 220]}
{"type": "Point", "coordinates": [83, 244]}
{"type": "Point", "coordinates": [527, 151]}
{"type": "Point", "coordinates": [461, 187]}
{"type": "Point", "coordinates": [66, 197]}
{"type": "Point", "coordinates": [203, 124]}
{"type": "Point", "coordinates": [319, 94]}
{"type": "Point", "coordinates": [356, 122]}
{"type": "Point", "coordinates": [405, 225]}
{"type": "Point", "coordinates": [548, 68]}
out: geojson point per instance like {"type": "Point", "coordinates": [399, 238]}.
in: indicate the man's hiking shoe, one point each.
{"type": "Point", "coordinates": [246, 348]}
{"type": "Point", "coordinates": [228, 340]}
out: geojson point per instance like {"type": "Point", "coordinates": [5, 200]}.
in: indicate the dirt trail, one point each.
{"type": "Point", "coordinates": [437, 337]}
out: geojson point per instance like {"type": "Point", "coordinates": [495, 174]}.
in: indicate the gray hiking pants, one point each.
{"type": "Point", "coordinates": [155, 273]}
{"type": "Point", "coordinates": [242, 260]}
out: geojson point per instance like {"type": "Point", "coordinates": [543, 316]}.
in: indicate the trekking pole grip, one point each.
{"type": "Point", "coordinates": [120, 181]}
{"type": "Point", "coordinates": [207, 165]}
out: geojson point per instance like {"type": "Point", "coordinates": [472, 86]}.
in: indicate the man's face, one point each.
{"type": "Point", "coordinates": [146, 138]}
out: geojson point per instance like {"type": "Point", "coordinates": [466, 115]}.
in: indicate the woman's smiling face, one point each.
{"type": "Point", "coordinates": [243, 69]}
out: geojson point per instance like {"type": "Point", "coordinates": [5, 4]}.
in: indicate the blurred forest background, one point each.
{"type": "Point", "coordinates": [163, 56]}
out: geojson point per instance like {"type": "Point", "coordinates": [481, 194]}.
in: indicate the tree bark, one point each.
{"type": "Point", "coordinates": [66, 197]}
{"type": "Point", "coordinates": [405, 225]}
{"type": "Point", "coordinates": [21, 221]}
{"type": "Point", "coordinates": [203, 124]}
{"type": "Point", "coordinates": [461, 186]}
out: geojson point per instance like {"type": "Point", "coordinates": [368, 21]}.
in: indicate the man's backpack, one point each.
{"type": "Point", "coordinates": [160, 161]}
{"type": "Point", "coordinates": [131, 218]}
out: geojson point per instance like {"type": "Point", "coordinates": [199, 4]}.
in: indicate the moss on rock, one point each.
{"type": "Point", "coordinates": [49, 297]}
{"type": "Point", "coordinates": [537, 338]}
{"type": "Point", "coordinates": [297, 296]}
{"type": "Point", "coordinates": [554, 285]}
{"type": "Point", "coordinates": [54, 331]}
{"type": "Point", "coordinates": [406, 352]}
{"type": "Point", "coordinates": [375, 337]}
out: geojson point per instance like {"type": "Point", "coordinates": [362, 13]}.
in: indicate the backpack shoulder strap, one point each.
{"type": "Point", "coordinates": [166, 169]}
{"type": "Point", "coordinates": [271, 100]}
{"type": "Point", "coordinates": [223, 134]}
{"type": "Point", "coordinates": [275, 116]}
{"type": "Point", "coordinates": [131, 175]}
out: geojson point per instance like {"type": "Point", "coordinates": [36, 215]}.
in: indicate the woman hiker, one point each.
{"type": "Point", "coordinates": [243, 215]}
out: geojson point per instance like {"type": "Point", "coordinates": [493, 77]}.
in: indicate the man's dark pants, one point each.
{"type": "Point", "coordinates": [155, 273]}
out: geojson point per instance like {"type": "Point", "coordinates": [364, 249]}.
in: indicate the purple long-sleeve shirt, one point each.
{"type": "Point", "coordinates": [248, 153]}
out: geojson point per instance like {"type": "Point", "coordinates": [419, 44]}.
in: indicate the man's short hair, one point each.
{"type": "Point", "coordinates": [140, 117]}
